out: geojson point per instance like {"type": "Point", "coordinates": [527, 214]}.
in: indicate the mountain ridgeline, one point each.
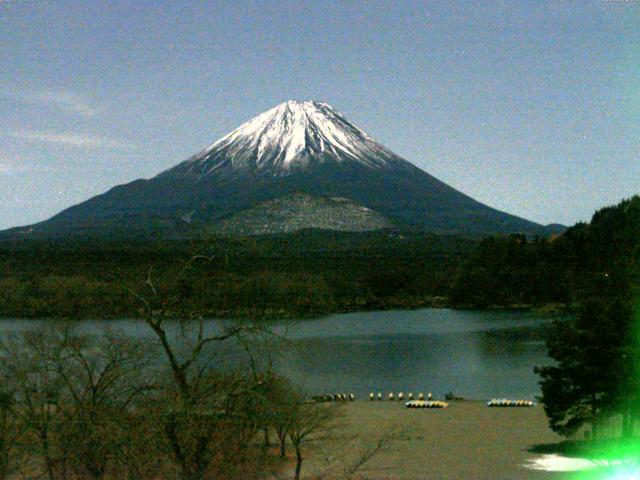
{"type": "Point", "coordinates": [297, 166]}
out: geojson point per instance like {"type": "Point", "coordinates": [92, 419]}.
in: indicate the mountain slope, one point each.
{"type": "Point", "coordinates": [295, 148]}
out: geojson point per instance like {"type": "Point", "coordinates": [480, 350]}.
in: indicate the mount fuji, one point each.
{"type": "Point", "coordinates": [298, 165]}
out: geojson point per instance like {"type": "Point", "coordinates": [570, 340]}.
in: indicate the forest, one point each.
{"type": "Point", "coordinates": [596, 350]}
{"type": "Point", "coordinates": [308, 273]}
{"type": "Point", "coordinates": [304, 274]}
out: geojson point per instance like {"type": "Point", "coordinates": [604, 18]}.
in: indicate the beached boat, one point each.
{"type": "Point", "coordinates": [426, 404]}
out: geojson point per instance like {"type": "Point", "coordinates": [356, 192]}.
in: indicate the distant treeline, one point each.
{"type": "Point", "coordinates": [306, 273]}
{"type": "Point", "coordinates": [513, 271]}
{"type": "Point", "coordinates": [303, 274]}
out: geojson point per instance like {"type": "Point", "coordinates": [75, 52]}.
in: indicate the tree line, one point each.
{"type": "Point", "coordinates": [597, 350]}
{"type": "Point", "coordinates": [300, 275]}
{"type": "Point", "coordinates": [515, 271]}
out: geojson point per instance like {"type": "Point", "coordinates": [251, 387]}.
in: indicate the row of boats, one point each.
{"type": "Point", "coordinates": [420, 402]}
{"type": "Point", "coordinates": [336, 397]}
{"type": "Point", "coordinates": [426, 404]}
{"type": "Point", "coordinates": [350, 397]}
{"type": "Point", "coordinates": [400, 397]}
{"type": "Point", "coordinates": [505, 402]}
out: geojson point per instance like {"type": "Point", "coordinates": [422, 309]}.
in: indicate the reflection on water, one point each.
{"type": "Point", "coordinates": [473, 354]}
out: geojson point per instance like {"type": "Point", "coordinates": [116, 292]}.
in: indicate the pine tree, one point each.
{"type": "Point", "coordinates": [597, 352]}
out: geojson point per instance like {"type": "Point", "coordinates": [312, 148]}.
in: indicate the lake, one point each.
{"type": "Point", "coordinates": [473, 354]}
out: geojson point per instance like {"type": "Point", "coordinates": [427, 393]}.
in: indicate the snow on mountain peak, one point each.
{"type": "Point", "coordinates": [291, 136]}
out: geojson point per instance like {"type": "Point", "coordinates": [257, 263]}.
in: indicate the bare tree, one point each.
{"type": "Point", "coordinates": [208, 418]}
{"type": "Point", "coordinates": [26, 366]}
{"type": "Point", "coordinates": [350, 457]}
{"type": "Point", "coordinates": [10, 436]}
{"type": "Point", "coordinates": [102, 378]}
{"type": "Point", "coordinates": [283, 402]}
{"type": "Point", "coordinates": [74, 396]}
{"type": "Point", "coordinates": [367, 451]}
{"type": "Point", "coordinates": [97, 406]}
{"type": "Point", "coordinates": [309, 421]}
{"type": "Point", "coordinates": [273, 389]}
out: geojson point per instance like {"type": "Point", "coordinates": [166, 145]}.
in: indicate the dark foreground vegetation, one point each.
{"type": "Point", "coordinates": [74, 406]}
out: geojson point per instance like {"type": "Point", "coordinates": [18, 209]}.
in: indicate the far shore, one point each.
{"type": "Point", "coordinates": [277, 315]}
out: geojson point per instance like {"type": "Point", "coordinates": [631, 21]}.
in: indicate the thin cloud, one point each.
{"type": "Point", "coordinates": [65, 101]}
{"type": "Point", "coordinates": [72, 140]}
{"type": "Point", "coordinates": [13, 165]}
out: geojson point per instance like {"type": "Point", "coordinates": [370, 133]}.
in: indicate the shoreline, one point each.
{"type": "Point", "coordinates": [272, 316]}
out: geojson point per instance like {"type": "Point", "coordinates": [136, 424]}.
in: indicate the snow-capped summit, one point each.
{"type": "Point", "coordinates": [288, 138]}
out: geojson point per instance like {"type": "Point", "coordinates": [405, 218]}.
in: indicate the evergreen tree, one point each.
{"type": "Point", "coordinates": [597, 352]}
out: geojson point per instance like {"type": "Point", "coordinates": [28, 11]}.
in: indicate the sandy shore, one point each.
{"type": "Point", "coordinates": [465, 441]}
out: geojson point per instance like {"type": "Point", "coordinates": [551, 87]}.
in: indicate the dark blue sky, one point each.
{"type": "Point", "coordinates": [530, 107]}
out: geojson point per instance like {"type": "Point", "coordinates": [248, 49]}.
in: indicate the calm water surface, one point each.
{"type": "Point", "coordinates": [473, 354]}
